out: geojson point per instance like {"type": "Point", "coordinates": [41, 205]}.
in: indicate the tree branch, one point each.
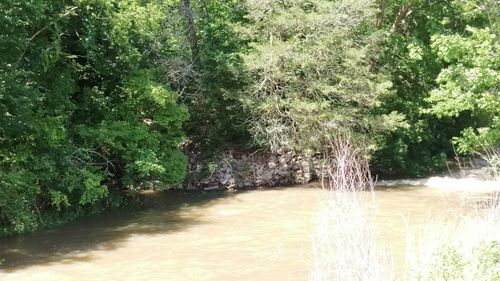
{"type": "Point", "coordinates": [404, 12]}
{"type": "Point", "coordinates": [29, 40]}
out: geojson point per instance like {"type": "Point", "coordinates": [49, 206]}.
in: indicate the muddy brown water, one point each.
{"type": "Point", "coordinates": [251, 235]}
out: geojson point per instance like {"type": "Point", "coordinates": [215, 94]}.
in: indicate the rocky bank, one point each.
{"type": "Point", "coordinates": [239, 170]}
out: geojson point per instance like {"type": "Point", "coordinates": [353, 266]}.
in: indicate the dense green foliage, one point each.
{"type": "Point", "coordinates": [97, 96]}
{"type": "Point", "coordinates": [205, 69]}
{"type": "Point", "coordinates": [469, 84]}
{"type": "Point", "coordinates": [418, 56]}
{"type": "Point", "coordinates": [81, 110]}
{"type": "Point", "coordinates": [422, 143]}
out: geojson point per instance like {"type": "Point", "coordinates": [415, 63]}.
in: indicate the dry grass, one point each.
{"type": "Point", "coordinates": [344, 244]}
{"type": "Point", "coordinates": [464, 247]}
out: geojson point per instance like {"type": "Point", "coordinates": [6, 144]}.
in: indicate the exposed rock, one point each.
{"type": "Point", "coordinates": [191, 187]}
{"type": "Point", "coordinates": [215, 187]}
{"type": "Point", "coordinates": [246, 170]}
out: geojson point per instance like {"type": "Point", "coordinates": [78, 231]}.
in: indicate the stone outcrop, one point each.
{"type": "Point", "coordinates": [239, 170]}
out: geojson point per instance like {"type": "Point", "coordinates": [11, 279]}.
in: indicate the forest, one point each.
{"type": "Point", "coordinates": [98, 96]}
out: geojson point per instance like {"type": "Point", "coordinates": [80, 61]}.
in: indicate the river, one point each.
{"type": "Point", "coordinates": [252, 235]}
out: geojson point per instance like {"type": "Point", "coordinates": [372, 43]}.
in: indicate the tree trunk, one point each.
{"type": "Point", "coordinates": [380, 14]}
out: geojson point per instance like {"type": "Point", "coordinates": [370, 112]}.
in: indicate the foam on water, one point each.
{"type": "Point", "coordinates": [469, 181]}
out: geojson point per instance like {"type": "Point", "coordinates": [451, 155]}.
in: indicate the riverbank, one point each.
{"type": "Point", "coordinates": [236, 170]}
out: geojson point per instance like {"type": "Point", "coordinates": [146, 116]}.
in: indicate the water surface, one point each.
{"type": "Point", "coordinates": [252, 235]}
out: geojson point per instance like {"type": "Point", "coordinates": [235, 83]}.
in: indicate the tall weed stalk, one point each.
{"type": "Point", "coordinates": [344, 243]}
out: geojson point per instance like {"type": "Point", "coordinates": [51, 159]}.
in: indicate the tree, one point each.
{"type": "Point", "coordinates": [82, 109]}
{"type": "Point", "coordinates": [408, 58]}
{"type": "Point", "coordinates": [470, 85]}
{"type": "Point", "coordinates": [204, 67]}
{"type": "Point", "coordinates": [311, 72]}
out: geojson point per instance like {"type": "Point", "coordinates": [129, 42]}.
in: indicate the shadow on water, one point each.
{"type": "Point", "coordinates": [166, 213]}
